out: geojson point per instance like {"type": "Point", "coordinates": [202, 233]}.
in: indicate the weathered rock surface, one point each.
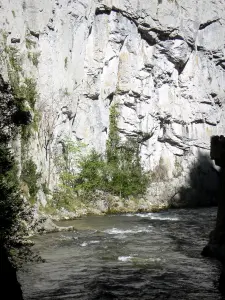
{"type": "Point", "coordinates": [161, 60]}
{"type": "Point", "coordinates": [45, 224]}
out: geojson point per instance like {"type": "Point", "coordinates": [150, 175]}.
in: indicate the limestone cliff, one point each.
{"type": "Point", "coordinates": [162, 61]}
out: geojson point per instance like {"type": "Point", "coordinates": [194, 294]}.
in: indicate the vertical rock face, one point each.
{"type": "Point", "coordinates": [162, 61]}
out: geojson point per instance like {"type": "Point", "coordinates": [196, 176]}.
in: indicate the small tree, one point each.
{"type": "Point", "coordinates": [119, 172]}
{"type": "Point", "coordinates": [126, 174]}
{"type": "Point", "coordinates": [47, 125]}
{"type": "Point", "coordinates": [68, 163]}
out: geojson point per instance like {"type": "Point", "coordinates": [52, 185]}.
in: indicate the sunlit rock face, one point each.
{"type": "Point", "coordinates": [162, 61]}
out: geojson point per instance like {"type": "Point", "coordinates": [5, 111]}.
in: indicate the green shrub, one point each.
{"type": "Point", "coordinates": [128, 177]}
{"type": "Point", "coordinates": [29, 44]}
{"type": "Point", "coordinates": [14, 59]}
{"type": "Point", "coordinates": [66, 62]}
{"type": "Point", "coordinates": [30, 176]}
{"type": "Point", "coordinates": [10, 201]}
{"type": "Point", "coordinates": [66, 92]}
{"type": "Point", "coordinates": [24, 91]}
{"type": "Point", "coordinates": [45, 188]}
{"type": "Point", "coordinates": [92, 173]}
{"type": "Point", "coordinates": [124, 177]}
{"type": "Point", "coordinates": [65, 197]}
{"type": "Point", "coordinates": [13, 210]}
{"type": "Point", "coordinates": [34, 58]}
{"type": "Point", "coordinates": [119, 173]}
{"type": "Point", "coordinates": [113, 141]}
{"type": "Point", "coordinates": [14, 68]}
{"type": "Point", "coordinates": [15, 213]}
{"type": "Point", "coordinates": [123, 162]}
{"type": "Point", "coordinates": [27, 89]}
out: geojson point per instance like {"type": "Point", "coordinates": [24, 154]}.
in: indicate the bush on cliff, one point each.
{"type": "Point", "coordinates": [123, 177]}
{"type": "Point", "coordinates": [119, 172]}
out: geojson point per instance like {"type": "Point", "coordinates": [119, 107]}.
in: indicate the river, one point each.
{"type": "Point", "coordinates": [129, 256]}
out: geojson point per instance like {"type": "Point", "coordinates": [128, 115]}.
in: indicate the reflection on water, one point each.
{"type": "Point", "coordinates": [133, 256]}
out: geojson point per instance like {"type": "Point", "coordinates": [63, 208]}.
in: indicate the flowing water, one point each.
{"type": "Point", "coordinates": [131, 256]}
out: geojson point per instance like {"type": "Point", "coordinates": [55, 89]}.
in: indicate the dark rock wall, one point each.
{"type": "Point", "coordinates": [10, 288]}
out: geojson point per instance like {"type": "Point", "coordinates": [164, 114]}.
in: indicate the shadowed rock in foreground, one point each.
{"type": "Point", "coordinates": [216, 245]}
{"type": "Point", "coordinates": [10, 287]}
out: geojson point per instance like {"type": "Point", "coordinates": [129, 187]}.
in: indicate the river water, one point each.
{"type": "Point", "coordinates": [130, 256]}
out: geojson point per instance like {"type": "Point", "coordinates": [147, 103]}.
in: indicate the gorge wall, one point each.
{"type": "Point", "coordinates": [161, 61]}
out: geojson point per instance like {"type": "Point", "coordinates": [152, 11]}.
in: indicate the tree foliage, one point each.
{"type": "Point", "coordinates": [122, 176]}
{"type": "Point", "coordinates": [30, 176]}
{"type": "Point", "coordinates": [13, 210]}
{"type": "Point", "coordinates": [119, 172]}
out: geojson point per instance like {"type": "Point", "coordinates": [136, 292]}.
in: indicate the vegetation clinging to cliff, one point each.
{"type": "Point", "coordinates": [30, 176]}
{"type": "Point", "coordinates": [10, 201]}
{"type": "Point", "coordinates": [17, 104]}
{"type": "Point", "coordinates": [23, 89]}
{"type": "Point", "coordinates": [13, 210]}
{"type": "Point", "coordinates": [119, 172]}
{"type": "Point", "coordinates": [127, 176]}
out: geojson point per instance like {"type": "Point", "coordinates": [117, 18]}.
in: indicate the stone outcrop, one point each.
{"type": "Point", "coordinates": [162, 61]}
{"type": "Point", "coordinates": [216, 246]}
{"type": "Point", "coordinates": [218, 154]}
